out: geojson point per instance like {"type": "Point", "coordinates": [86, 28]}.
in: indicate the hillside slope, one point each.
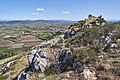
{"type": "Point", "coordinates": [86, 51]}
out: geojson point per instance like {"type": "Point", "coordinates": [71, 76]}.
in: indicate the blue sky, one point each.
{"type": "Point", "coordinates": [58, 9]}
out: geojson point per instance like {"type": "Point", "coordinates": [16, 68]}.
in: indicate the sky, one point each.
{"type": "Point", "coordinates": [58, 9]}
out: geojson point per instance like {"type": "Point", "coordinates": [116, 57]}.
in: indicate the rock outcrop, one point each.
{"type": "Point", "coordinates": [66, 61]}
{"type": "Point", "coordinates": [23, 75]}
{"type": "Point", "coordinates": [89, 75]}
{"type": "Point", "coordinates": [37, 60]}
{"type": "Point", "coordinates": [69, 34]}
{"type": "Point", "coordinates": [5, 68]}
{"type": "Point", "coordinates": [89, 22]}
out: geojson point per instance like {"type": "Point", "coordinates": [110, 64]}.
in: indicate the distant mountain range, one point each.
{"type": "Point", "coordinates": [112, 20]}
{"type": "Point", "coordinates": [43, 21]}
{"type": "Point", "coordinates": [33, 21]}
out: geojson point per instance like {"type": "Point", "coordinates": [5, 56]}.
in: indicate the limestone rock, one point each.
{"type": "Point", "coordinates": [89, 75]}
{"type": "Point", "coordinates": [69, 34]}
{"type": "Point", "coordinates": [23, 76]}
{"type": "Point", "coordinates": [4, 69]}
{"type": "Point", "coordinates": [37, 60]}
{"type": "Point", "coordinates": [66, 61]}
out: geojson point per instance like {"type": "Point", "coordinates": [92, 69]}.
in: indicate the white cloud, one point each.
{"type": "Point", "coordinates": [35, 14]}
{"type": "Point", "coordinates": [40, 9]}
{"type": "Point", "coordinates": [50, 9]}
{"type": "Point", "coordinates": [41, 14]}
{"type": "Point", "coordinates": [66, 12]}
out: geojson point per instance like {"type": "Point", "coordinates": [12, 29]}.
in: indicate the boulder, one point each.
{"type": "Point", "coordinates": [66, 35]}
{"type": "Point", "coordinates": [104, 38]}
{"type": "Point", "coordinates": [109, 34]}
{"type": "Point", "coordinates": [111, 46]}
{"type": "Point", "coordinates": [77, 66]}
{"type": "Point", "coordinates": [5, 68]}
{"type": "Point", "coordinates": [89, 75]}
{"type": "Point", "coordinates": [65, 56]}
{"type": "Point", "coordinates": [69, 34]}
{"type": "Point", "coordinates": [23, 76]}
{"type": "Point", "coordinates": [42, 45]}
{"type": "Point", "coordinates": [37, 60]}
{"type": "Point", "coordinates": [66, 61]}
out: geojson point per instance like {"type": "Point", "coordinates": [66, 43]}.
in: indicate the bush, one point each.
{"type": "Point", "coordinates": [51, 77]}
{"type": "Point", "coordinates": [2, 56]}
{"type": "Point", "coordinates": [57, 33]}
{"type": "Point", "coordinates": [116, 71]}
{"type": "Point", "coordinates": [50, 70]}
{"type": "Point", "coordinates": [86, 55]}
{"type": "Point", "coordinates": [45, 36]}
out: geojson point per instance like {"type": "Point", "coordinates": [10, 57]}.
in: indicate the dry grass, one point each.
{"type": "Point", "coordinates": [5, 43]}
{"type": "Point", "coordinates": [27, 37]}
{"type": "Point", "coordinates": [8, 59]}
{"type": "Point", "coordinates": [14, 70]}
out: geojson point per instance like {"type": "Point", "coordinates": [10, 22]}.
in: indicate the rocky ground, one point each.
{"type": "Point", "coordinates": [91, 52]}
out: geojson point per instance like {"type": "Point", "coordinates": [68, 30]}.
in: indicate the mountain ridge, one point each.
{"type": "Point", "coordinates": [33, 21]}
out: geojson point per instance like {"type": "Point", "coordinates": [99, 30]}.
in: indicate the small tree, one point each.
{"type": "Point", "coordinates": [89, 15]}
{"type": "Point", "coordinates": [100, 16]}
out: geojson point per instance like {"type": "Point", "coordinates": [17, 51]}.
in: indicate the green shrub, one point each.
{"type": "Point", "coordinates": [3, 48]}
{"type": "Point", "coordinates": [116, 71]}
{"type": "Point", "coordinates": [57, 33]}
{"type": "Point", "coordinates": [88, 54]}
{"type": "Point", "coordinates": [45, 36]}
{"type": "Point", "coordinates": [50, 70]}
{"type": "Point", "coordinates": [6, 55]}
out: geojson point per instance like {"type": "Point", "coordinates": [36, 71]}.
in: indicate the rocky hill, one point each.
{"type": "Point", "coordinates": [88, 50]}
{"type": "Point", "coordinates": [89, 22]}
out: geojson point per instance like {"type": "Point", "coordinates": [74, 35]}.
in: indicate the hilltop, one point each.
{"type": "Point", "coordinates": [89, 22]}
